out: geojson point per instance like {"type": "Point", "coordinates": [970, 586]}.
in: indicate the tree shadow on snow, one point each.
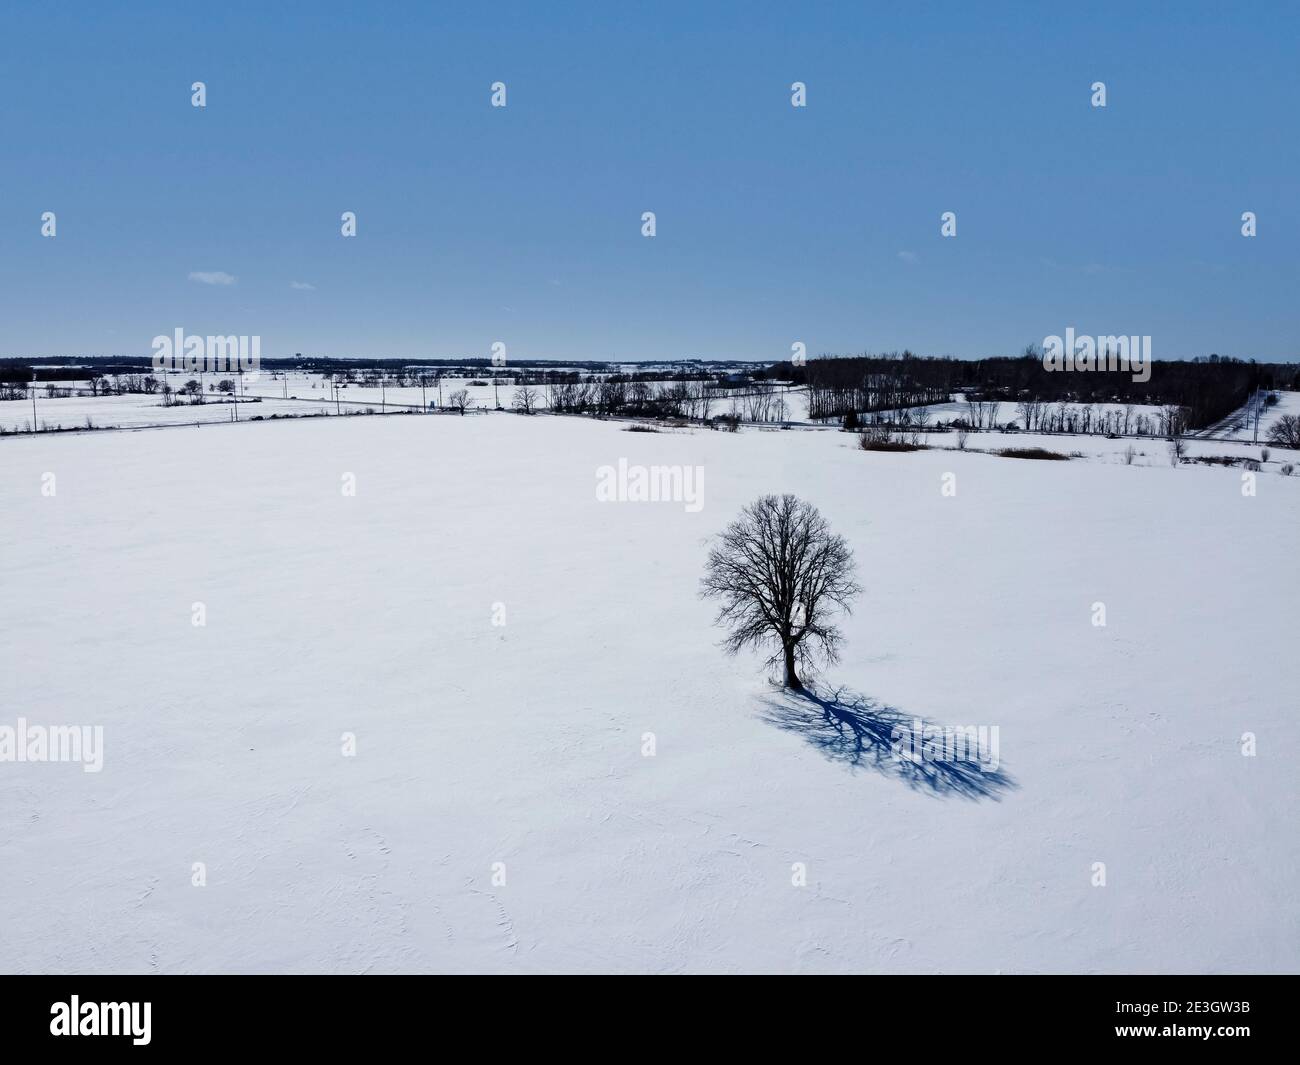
{"type": "Point", "coordinates": [862, 734]}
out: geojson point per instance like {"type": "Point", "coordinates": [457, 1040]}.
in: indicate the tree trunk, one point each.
{"type": "Point", "coordinates": [791, 677]}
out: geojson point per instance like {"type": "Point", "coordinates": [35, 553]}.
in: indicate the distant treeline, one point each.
{"type": "Point", "coordinates": [521, 374]}
{"type": "Point", "coordinates": [79, 367]}
{"type": "Point", "coordinates": [1206, 389]}
{"type": "Point", "coordinates": [20, 371]}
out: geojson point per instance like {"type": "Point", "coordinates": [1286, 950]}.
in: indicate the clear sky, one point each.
{"type": "Point", "coordinates": [774, 224]}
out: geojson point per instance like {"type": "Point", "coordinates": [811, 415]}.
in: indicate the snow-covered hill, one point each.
{"type": "Point", "coordinates": [1241, 424]}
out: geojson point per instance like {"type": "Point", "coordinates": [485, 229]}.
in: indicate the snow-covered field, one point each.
{"type": "Point", "coordinates": [283, 395]}
{"type": "Point", "coordinates": [298, 395]}
{"type": "Point", "coordinates": [138, 411]}
{"type": "Point", "coordinates": [1147, 451]}
{"type": "Point", "coordinates": [499, 814]}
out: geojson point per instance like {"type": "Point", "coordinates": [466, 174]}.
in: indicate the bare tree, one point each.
{"type": "Point", "coordinates": [981, 411]}
{"type": "Point", "coordinates": [759, 402]}
{"type": "Point", "coordinates": [921, 417]}
{"type": "Point", "coordinates": [460, 400]}
{"type": "Point", "coordinates": [1028, 409]}
{"type": "Point", "coordinates": [1285, 432]}
{"type": "Point", "coordinates": [779, 571]}
{"type": "Point", "coordinates": [1173, 420]}
{"type": "Point", "coordinates": [526, 400]}
{"type": "Point", "coordinates": [704, 400]}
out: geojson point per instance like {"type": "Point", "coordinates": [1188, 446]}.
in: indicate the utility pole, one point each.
{"type": "Point", "coordinates": [423, 403]}
{"type": "Point", "coordinates": [35, 426]}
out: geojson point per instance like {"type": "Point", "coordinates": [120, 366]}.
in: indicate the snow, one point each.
{"type": "Point", "coordinates": [1240, 425]}
{"type": "Point", "coordinates": [138, 411]}
{"type": "Point", "coordinates": [522, 744]}
{"type": "Point", "coordinates": [292, 394]}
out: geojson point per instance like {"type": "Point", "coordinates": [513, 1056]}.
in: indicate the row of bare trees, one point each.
{"type": "Point", "coordinates": [1094, 419]}
{"type": "Point", "coordinates": [618, 396]}
{"type": "Point", "coordinates": [95, 385]}
{"type": "Point", "coordinates": [124, 384]}
{"type": "Point", "coordinates": [891, 382]}
{"type": "Point", "coordinates": [982, 413]}
{"type": "Point", "coordinates": [756, 404]}
{"type": "Point", "coordinates": [1208, 388]}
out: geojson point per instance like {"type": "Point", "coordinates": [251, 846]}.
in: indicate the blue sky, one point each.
{"type": "Point", "coordinates": [775, 224]}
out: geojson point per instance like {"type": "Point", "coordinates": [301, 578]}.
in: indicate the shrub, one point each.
{"type": "Point", "coordinates": [871, 442]}
{"type": "Point", "coordinates": [1031, 453]}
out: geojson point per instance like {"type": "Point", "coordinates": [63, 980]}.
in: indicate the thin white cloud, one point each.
{"type": "Point", "coordinates": [909, 257]}
{"type": "Point", "coordinates": [212, 277]}
{"type": "Point", "coordinates": [302, 286]}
